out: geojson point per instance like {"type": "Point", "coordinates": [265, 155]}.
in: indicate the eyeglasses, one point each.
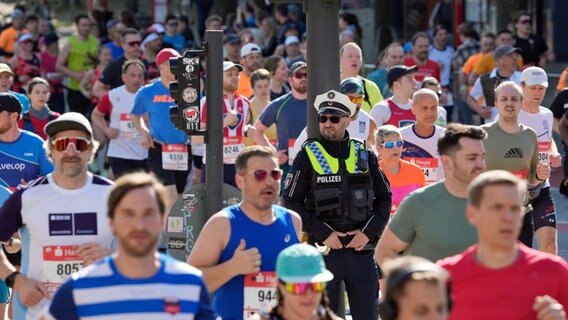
{"type": "Point", "coordinates": [134, 43]}
{"type": "Point", "coordinates": [302, 288]}
{"type": "Point", "coordinates": [333, 119]}
{"type": "Point", "coordinates": [391, 144]}
{"type": "Point", "coordinates": [301, 75]}
{"type": "Point", "coordinates": [260, 175]}
{"type": "Point", "coordinates": [79, 144]}
{"type": "Point", "coordinates": [527, 21]}
{"type": "Point", "coordinates": [356, 100]}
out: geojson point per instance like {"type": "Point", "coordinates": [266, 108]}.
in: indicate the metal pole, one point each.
{"type": "Point", "coordinates": [323, 53]}
{"type": "Point", "coordinates": [214, 135]}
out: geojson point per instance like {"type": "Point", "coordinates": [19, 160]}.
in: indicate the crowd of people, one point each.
{"type": "Point", "coordinates": [451, 172]}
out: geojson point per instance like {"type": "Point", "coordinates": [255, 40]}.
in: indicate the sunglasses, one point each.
{"type": "Point", "coordinates": [356, 100]}
{"type": "Point", "coordinates": [333, 119]}
{"type": "Point", "coordinates": [302, 288]}
{"type": "Point", "coordinates": [79, 144]}
{"type": "Point", "coordinates": [260, 175]}
{"type": "Point", "coordinates": [391, 144]}
{"type": "Point", "coordinates": [134, 43]}
{"type": "Point", "coordinates": [528, 21]}
{"type": "Point", "coordinates": [301, 75]}
{"type": "Point", "coordinates": [172, 24]}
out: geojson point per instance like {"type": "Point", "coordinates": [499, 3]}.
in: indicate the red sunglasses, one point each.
{"type": "Point", "coordinates": [302, 288]}
{"type": "Point", "coordinates": [301, 75]}
{"type": "Point", "coordinates": [79, 144]}
{"type": "Point", "coordinates": [261, 175]}
{"type": "Point", "coordinates": [134, 43]}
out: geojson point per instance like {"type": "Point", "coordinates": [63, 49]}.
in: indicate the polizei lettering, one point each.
{"type": "Point", "coordinates": [12, 166]}
{"type": "Point", "coordinates": [328, 179]}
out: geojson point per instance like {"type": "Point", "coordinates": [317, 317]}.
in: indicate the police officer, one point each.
{"type": "Point", "coordinates": [344, 200]}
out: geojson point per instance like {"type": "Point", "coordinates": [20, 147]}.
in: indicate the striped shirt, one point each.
{"type": "Point", "coordinates": [176, 291]}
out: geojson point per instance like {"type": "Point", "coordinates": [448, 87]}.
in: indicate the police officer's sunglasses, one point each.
{"type": "Point", "coordinates": [79, 144]}
{"type": "Point", "coordinates": [260, 175]}
{"type": "Point", "coordinates": [391, 144]}
{"type": "Point", "coordinates": [333, 119]}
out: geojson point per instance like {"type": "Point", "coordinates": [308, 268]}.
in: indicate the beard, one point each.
{"type": "Point", "coordinates": [301, 89]}
{"type": "Point", "coordinates": [72, 169]}
{"type": "Point", "coordinates": [137, 250]}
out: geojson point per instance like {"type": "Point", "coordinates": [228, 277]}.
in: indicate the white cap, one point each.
{"type": "Point", "coordinates": [250, 48]}
{"type": "Point", "coordinates": [334, 102]}
{"type": "Point", "coordinates": [157, 27]}
{"type": "Point", "coordinates": [24, 37]}
{"type": "Point", "coordinates": [230, 64]}
{"type": "Point", "coordinates": [68, 121]}
{"type": "Point", "coordinates": [291, 40]}
{"type": "Point", "coordinates": [532, 76]}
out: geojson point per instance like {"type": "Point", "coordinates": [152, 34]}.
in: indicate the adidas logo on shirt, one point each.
{"type": "Point", "coordinates": [514, 153]}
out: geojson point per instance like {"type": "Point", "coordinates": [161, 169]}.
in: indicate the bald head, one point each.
{"type": "Point", "coordinates": [424, 94]}
{"type": "Point", "coordinates": [349, 46]}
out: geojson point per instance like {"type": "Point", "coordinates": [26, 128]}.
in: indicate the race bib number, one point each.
{"type": "Point", "coordinates": [259, 293]}
{"type": "Point", "coordinates": [292, 152]}
{"type": "Point", "coordinates": [59, 262]}
{"type": "Point", "coordinates": [174, 157]}
{"type": "Point", "coordinates": [544, 148]}
{"type": "Point", "coordinates": [232, 146]}
{"type": "Point", "coordinates": [127, 129]}
{"type": "Point", "coordinates": [429, 167]}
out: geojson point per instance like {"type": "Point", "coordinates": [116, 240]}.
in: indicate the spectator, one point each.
{"type": "Point", "coordinates": [112, 75]}
{"type": "Point", "coordinates": [506, 62]}
{"type": "Point", "coordinates": [172, 35]}
{"type": "Point", "coordinates": [76, 59]}
{"type": "Point", "coordinates": [32, 27]}
{"type": "Point", "coordinates": [251, 60]}
{"type": "Point", "coordinates": [114, 29]}
{"type": "Point", "coordinates": [213, 22]}
{"type": "Point", "coordinates": [244, 239]}
{"type": "Point", "coordinates": [269, 28]}
{"type": "Point", "coordinates": [232, 45]}
{"type": "Point", "coordinates": [26, 64]}
{"type": "Point", "coordinates": [533, 47]}
{"type": "Point", "coordinates": [351, 61]}
{"type": "Point", "coordinates": [48, 58]}
{"type": "Point", "coordinates": [205, 20]}
{"type": "Point", "coordinates": [489, 269]}
{"type": "Point", "coordinates": [404, 177]}
{"type": "Point", "coordinates": [292, 50]}
{"type": "Point", "coordinates": [394, 55]}
{"type": "Point", "coordinates": [9, 36]}
{"type": "Point", "coordinates": [420, 58]}
{"type": "Point", "coordinates": [37, 117]}
{"type": "Point", "coordinates": [184, 29]}
{"type": "Point", "coordinates": [278, 69]}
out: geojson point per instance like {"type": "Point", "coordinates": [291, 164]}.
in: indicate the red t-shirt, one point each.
{"type": "Point", "coordinates": [429, 69]}
{"type": "Point", "coordinates": [508, 293]}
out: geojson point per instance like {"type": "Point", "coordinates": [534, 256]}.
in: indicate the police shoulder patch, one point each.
{"type": "Point", "coordinates": [288, 180]}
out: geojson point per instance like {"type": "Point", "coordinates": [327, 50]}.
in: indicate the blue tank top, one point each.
{"type": "Point", "coordinates": [268, 239]}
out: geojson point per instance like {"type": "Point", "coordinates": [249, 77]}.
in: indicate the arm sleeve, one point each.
{"type": "Point", "coordinates": [11, 215]}
{"type": "Point", "coordinates": [63, 305]}
{"type": "Point", "coordinates": [402, 224]}
{"type": "Point", "coordinates": [104, 105]}
{"type": "Point", "coordinates": [476, 91]}
{"type": "Point", "coordinates": [268, 116]}
{"type": "Point", "coordinates": [382, 202]}
{"type": "Point", "coordinates": [380, 114]}
{"type": "Point", "coordinates": [206, 311]}
{"type": "Point", "coordinates": [295, 191]}
{"type": "Point", "coordinates": [45, 165]}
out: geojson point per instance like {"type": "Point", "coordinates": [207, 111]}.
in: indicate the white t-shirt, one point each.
{"type": "Point", "coordinates": [444, 59]}
{"type": "Point", "coordinates": [52, 222]}
{"type": "Point", "coordinates": [128, 144]}
{"type": "Point", "coordinates": [423, 151]}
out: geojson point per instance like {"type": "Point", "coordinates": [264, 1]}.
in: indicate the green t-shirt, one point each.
{"type": "Point", "coordinates": [433, 222]}
{"type": "Point", "coordinates": [514, 152]}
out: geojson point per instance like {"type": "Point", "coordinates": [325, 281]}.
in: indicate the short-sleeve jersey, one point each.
{"type": "Point", "coordinates": [423, 151]}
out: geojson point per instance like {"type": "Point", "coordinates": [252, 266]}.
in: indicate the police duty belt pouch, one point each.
{"type": "Point", "coordinates": [361, 204]}
{"type": "Point", "coordinates": [328, 204]}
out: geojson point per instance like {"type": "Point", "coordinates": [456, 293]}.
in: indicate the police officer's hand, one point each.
{"type": "Point", "coordinates": [30, 292]}
{"type": "Point", "coordinates": [555, 160]}
{"type": "Point", "coordinates": [333, 242]}
{"type": "Point", "coordinates": [245, 261]}
{"type": "Point", "coordinates": [543, 171]}
{"type": "Point", "coordinates": [547, 308]}
{"type": "Point", "coordinates": [359, 240]}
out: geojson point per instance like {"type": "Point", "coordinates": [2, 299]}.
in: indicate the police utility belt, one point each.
{"type": "Point", "coordinates": [342, 188]}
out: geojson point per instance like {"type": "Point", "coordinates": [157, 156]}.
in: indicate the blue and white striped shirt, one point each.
{"type": "Point", "coordinates": [176, 291]}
